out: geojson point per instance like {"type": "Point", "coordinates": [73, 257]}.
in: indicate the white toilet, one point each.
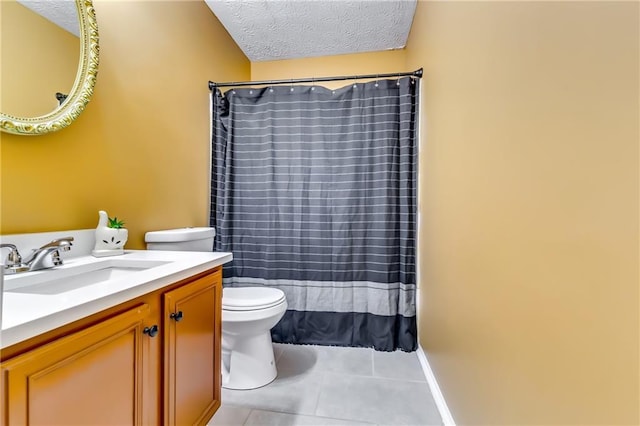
{"type": "Point", "coordinates": [248, 314]}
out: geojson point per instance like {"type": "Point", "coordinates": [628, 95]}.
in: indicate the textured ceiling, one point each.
{"type": "Point", "coordinates": [61, 12]}
{"type": "Point", "coordinates": [269, 30]}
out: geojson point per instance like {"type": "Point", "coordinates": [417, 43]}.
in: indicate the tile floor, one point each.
{"type": "Point", "coordinates": [322, 385]}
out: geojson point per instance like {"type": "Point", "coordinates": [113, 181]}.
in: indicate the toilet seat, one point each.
{"type": "Point", "coordinates": [251, 298]}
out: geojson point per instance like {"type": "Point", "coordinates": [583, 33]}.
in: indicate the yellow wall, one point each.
{"type": "Point", "coordinates": [357, 64]}
{"type": "Point", "coordinates": [529, 183]}
{"type": "Point", "coordinates": [140, 150]}
{"type": "Point", "coordinates": [43, 62]}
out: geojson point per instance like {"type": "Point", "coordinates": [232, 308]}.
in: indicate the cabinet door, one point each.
{"type": "Point", "coordinates": [192, 351]}
{"type": "Point", "coordinates": [91, 377]}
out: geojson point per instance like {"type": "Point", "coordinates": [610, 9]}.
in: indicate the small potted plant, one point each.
{"type": "Point", "coordinates": [111, 236]}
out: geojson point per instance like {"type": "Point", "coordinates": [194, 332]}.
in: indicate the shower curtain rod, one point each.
{"type": "Point", "coordinates": [416, 73]}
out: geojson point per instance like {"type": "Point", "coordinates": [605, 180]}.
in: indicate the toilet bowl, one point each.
{"type": "Point", "coordinates": [248, 314]}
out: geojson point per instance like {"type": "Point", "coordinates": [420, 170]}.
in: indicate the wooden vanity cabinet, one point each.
{"type": "Point", "coordinates": [192, 334]}
{"type": "Point", "coordinates": [114, 367]}
{"type": "Point", "coordinates": [96, 374]}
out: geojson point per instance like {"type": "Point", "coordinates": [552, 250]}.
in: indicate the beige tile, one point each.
{"type": "Point", "coordinates": [230, 415]}
{"type": "Point", "coordinates": [377, 400]}
{"type": "Point", "coordinates": [297, 394]}
{"type": "Point", "coordinates": [398, 365]}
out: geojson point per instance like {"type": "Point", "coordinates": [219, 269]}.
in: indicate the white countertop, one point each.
{"type": "Point", "coordinates": [26, 315]}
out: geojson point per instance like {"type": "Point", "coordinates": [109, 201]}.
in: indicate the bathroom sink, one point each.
{"type": "Point", "coordinates": [73, 277]}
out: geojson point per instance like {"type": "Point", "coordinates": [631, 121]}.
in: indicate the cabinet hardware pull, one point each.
{"type": "Point", "coordinates": [151, 331]}
{"type": "Point", "coordinates": [177, 316]}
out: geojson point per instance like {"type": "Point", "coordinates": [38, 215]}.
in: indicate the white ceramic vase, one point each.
{"type": "Point", "coordinates": [109, 241]}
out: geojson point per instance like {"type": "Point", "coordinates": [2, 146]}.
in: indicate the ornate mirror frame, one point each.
{"type": "Point", "coordinates": [81, 91]}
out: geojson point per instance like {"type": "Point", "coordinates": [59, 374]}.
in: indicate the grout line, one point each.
{"type": "Point", "coordinates": [341, 373]}
{"type": "Point", "coordinates": [322, 383]}
{"type": "Point", "coordinates": [341, 419]}
{"type": "Point", "coordinates": [273, 410]}
{"type": "Point", "coordinates": [248, 415]}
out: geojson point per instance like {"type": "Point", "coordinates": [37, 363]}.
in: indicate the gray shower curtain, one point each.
{"type": "Point", "coordinates": [314, 192]}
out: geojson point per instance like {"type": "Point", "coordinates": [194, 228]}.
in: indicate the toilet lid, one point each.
{"type": "Point", "coordinates": [250, 298]}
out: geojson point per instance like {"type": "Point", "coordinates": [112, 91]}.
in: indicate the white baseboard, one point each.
{"type": "Point", "coordinates": [447, 419]}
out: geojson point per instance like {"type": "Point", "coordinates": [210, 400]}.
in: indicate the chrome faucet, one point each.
{"type": "Point", "coordinates": [48, 255]}
{"type": "Point", "coordinates": [45, 257]}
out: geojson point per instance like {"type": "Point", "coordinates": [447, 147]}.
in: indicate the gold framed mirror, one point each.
{"type": "Point", "coordinates": [68, 105]}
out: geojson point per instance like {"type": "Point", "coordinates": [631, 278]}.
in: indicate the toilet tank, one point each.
{"type": "Point", "coordinates": [181, 239]}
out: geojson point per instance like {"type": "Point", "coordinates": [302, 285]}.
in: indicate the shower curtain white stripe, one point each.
{"type": "Point", "coordinates": [349, 296]}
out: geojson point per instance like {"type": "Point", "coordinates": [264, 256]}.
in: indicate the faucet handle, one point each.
{"type": "Point", "coordinates": [65, 243]}
{"type": "Point", "coordinates": [13, 258]}
{"type": "Point", "coordinates": [55, 256]}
